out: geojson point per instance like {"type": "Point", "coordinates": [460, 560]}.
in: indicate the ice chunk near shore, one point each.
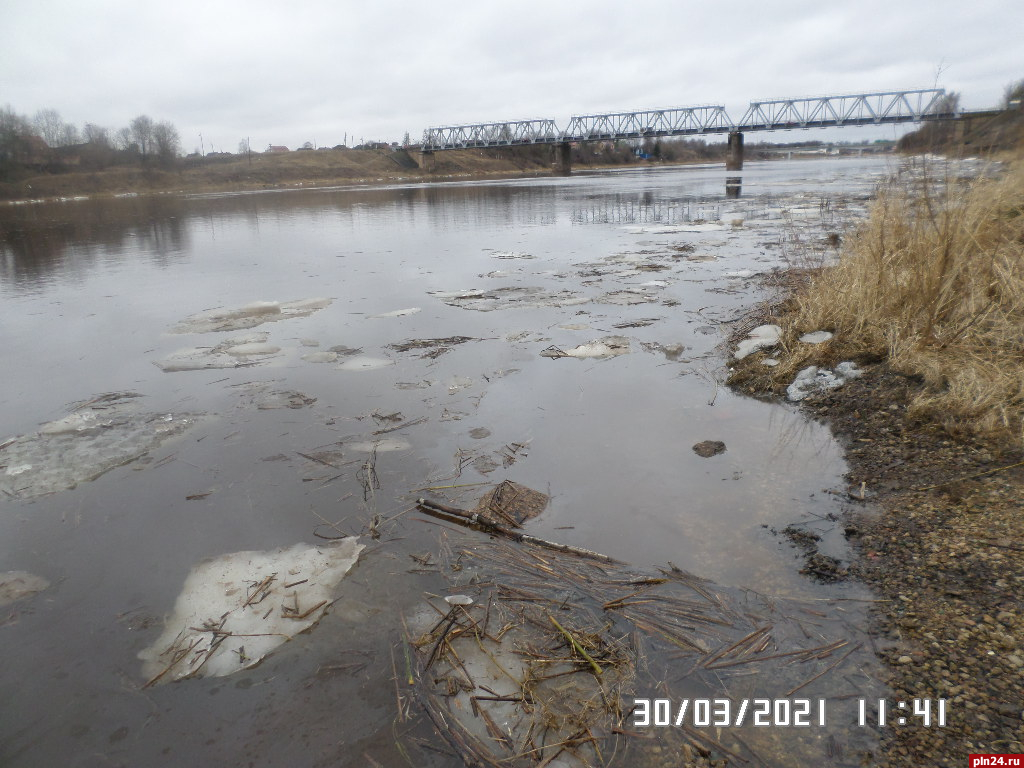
{"type": "Point", "coordinates": [816, 337]}
{"type": "Point", "coordinates": [814, 379]}
{"type": "Point", "coordinates": [506, 298]}
{"type": "Point", "coordinates": [237, 608]}
{"type": "Point", "coordinates": [248, 316]}
{"type": "Point", "coordinates": [108, 432]}
{"type": "Point", "coordinates": [17, 585]}
{"type": "Point", "coordinates": [762, 337]}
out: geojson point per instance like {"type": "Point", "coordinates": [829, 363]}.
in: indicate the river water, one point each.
{"type": "Point", "coordinates": [276, 447]}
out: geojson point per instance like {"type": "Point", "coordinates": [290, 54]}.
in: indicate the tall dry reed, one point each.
{"type": "Point", "coordinates": [934, 282]}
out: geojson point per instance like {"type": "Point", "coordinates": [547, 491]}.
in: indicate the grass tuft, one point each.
{"type": "Point", "coordinates": [933, 282]}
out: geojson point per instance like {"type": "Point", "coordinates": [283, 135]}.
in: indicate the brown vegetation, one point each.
{"type": "Point", "coordinates": [933, 283]}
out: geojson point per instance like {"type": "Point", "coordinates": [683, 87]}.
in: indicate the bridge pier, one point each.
{"type": "Point", "coordinates": [734, 161]}
{"type": "Point", "coordinates": [563, 159]}
{"type": "Point", "coordinates": [426, 161]}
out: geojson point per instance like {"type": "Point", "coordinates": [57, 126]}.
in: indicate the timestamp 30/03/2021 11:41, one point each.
{"type": "Point", "coordinates": [783, 713]}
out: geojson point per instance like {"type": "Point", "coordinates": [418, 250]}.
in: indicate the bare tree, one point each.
{"type": "Point", "coordinates": [123, 139]}
{"type": "Point", "coordinates": [16, 137]}
{"type": "Point", "coordinates": [141, 131]}
{"type": "Point", "coordinates": [166, 142]}
{"type": "Point", "coordinates": [96, 134]}
{"type": "Point", "coordinates": [1013, 95]}
{"type": "Point", "coordinates": [48, 124]}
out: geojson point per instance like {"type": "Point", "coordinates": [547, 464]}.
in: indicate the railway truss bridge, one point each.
{"type": "Point", "coordinates": [882, 108]}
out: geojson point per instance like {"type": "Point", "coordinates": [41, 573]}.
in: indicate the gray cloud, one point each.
{"type": "Point", "coordinates": [321, 69]}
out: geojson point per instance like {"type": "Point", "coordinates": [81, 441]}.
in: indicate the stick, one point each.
{"type": "Point", "coordinates": [435, 508]}
{"type": "Point", "coordinates": [579, 648]}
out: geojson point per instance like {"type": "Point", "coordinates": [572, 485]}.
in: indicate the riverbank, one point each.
{"type": "Point", "coordinates": [291, 170]}
{"type": "Point", "coordinates": [934, 450]}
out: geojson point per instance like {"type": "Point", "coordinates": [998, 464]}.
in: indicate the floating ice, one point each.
{"type": "Point", "coordinates": [397, 313]}
{"type": "Point", "coordinates": [609, 346]}
{"type": "Point", "coordinates": [455, 383]}
{"type": "Point", "coordinates": [262, 395]}
{"type": "Point", "coordinates": [249, 316]}
{"type": "Point", "coordinates": [107, 433]}
{"type": "Point", "coordinates": [626, 297]}
{"type": "Point", "coordinates": [321, 357]}
{"type": "Point", "coordinates": [365, 363]}
{"type": "Point", "coordinates": [235, 609]}
{"type": "Point", "coordinates": [762, 337]}
{"type": "Point", "coordinates": [252, 348]}
{"type": "Point", "coordinates": [383, 445]}
{"type": "Point", "coordinates": [505, 298]}
{"type": "Point", "coordinates": [512, 255]}
{"type": "Point", "coordinates": [230, 353]}
{"type": "Point", "coordinates": [670, 229]}
{"type": "Point", "coordinates": [17, 585]}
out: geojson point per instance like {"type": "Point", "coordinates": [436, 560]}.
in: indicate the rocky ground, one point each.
{"type": "Point", "coordinates": [940, 537]}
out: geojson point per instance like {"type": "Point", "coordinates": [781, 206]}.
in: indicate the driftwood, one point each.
{"type": "Point", "coordinates": [490, 526]}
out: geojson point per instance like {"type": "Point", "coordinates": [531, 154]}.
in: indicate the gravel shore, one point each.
{"type": "Point", "coordinates": [940, 537]}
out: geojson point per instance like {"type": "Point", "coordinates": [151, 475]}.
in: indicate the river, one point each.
{"type": "Point", "coordinates": [301, 421]}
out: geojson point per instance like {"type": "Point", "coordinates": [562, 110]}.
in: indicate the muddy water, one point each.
{"type": "Point", "coordinates": [91, 290]}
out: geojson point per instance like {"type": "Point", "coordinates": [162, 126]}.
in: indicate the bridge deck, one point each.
{"type": "Point", "coordinates": [879, 108]}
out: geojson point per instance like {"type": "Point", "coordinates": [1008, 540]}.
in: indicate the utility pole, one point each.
{"type": "Point", "coordinates": [202, 149]}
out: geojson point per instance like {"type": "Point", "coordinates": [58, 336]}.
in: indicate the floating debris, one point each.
{"type": "Point", "coordinates": [248, 316]}
{"type": "Point", "coordinates": [235, 609]}
{"type": "Point", "coordinates": [708, 448]}
{"type": "Point", "coordinates": [609, 346]}
{"type": "Point", "coordinates": [510, 503]}
{"type": "Point", "coordinates": [107, 432]}
{"type": "Point", "coordinates": [434, 347]}
{"type": "Point", "coordinates": [17, 585]}
{"type": "Point", "coordinates": [230, 353]}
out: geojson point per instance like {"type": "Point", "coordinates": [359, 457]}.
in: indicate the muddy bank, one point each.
{"type": "Point", "coordinates": [935, 520]}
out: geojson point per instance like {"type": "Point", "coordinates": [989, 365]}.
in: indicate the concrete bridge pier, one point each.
{"type": "Point", "coordinates": [563, 159]}
{"type": "Point", "coordinates": [426, 160]}
{"type": "Point", "coordinates": [734, 161]}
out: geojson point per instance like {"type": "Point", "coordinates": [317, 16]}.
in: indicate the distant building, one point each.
{"type": "Point", "coordinates": [277, 148]}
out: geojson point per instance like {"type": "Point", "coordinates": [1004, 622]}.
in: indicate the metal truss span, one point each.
{"type": "Point", "coordinates": [683, 121]}
{"type": "Point", "coordinates": [774, 115]}
{"type": "Point", "coordinates": [513, 133]}
{"type": "Point", "coordinates": [858, 109]}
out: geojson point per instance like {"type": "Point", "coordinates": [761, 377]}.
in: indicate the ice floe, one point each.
{"type": "Point", "coordinates": [365, 363]}
{"type": "Point", "coordinates": [511, 255]}
{"type": "Point", "coordinates": [237, 608]}
{"type": "Point", "coordinates": [609, 346]}
{"type": "Point", "coordinates": [505, 298]}
{"type": "Point", "coordinates": [110, 431]}
{"type": "Point", "coordinates": [230, 353]}
{"type": "Point", "coordinates": [17, 585]}
{"type": "Point", "coordinates": [248, 316]}
{"type": "Point", "coordinates": [397, 313]}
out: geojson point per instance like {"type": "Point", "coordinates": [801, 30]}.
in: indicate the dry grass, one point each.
{"type": "Point", "coordinates": [933, 283]}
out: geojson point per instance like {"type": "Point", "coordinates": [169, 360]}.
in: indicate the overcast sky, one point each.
{"type": "Point", "coordinates": [315, 71]}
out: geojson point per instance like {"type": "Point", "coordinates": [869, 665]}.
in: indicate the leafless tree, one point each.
{"type": "Point", "coordinates": [166, 142]}
{"type": "Point", "coordinates": [141, 130]}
